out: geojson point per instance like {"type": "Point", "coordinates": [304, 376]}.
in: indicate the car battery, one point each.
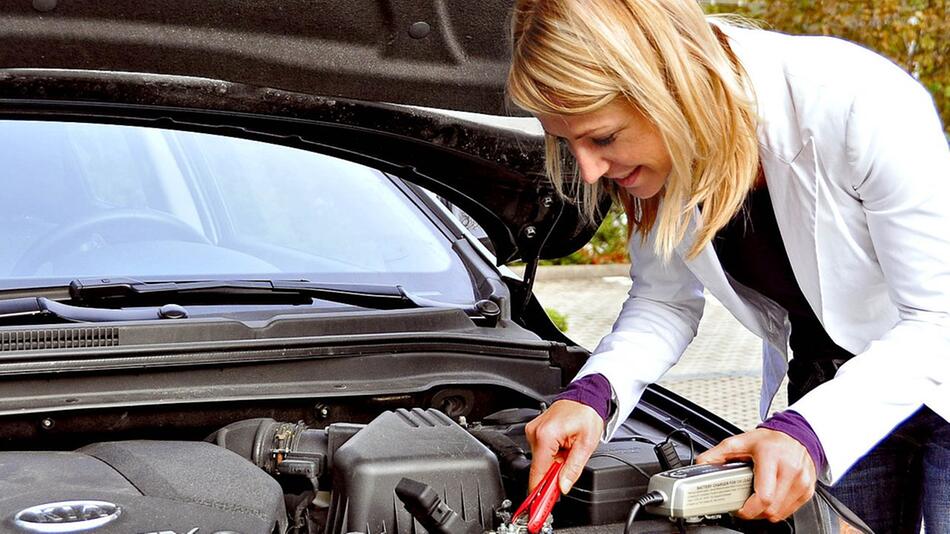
{"type": "Point", "coordinates": [611, 481]}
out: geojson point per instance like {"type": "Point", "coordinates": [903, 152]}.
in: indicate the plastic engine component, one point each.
{"type": "Point", "coordinates": [424, 445]}
{"type": "Point", "coordinates": [425, 505]}
{"type": "Point", "coordinates": [608, 485]}
{"type": "Point", "coordinates": [138, 486]}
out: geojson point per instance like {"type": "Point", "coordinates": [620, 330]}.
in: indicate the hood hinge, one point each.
{"type": "Point", "coordinates": [539, 234]}
{"type": "Point", "coordinates": [530, 273]}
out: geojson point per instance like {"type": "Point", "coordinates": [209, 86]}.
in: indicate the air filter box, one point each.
{"type": "Point", "coordinates": [423, 445]}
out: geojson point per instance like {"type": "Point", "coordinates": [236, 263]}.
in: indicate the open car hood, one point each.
{"type": "Point", "coordinates": [319, 75]}
{"type": "Point", "coordinates": [437, 53]}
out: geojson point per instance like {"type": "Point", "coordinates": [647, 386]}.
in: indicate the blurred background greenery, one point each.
{"type": "Point", "coordinates": [609, 244]}
{"type": "Point", "coordinates": [558, 318]}
{"type": "Point", "coordinates": [914, 34]}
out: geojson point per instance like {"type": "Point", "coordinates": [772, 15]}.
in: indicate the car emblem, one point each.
{"type": "Point", "coordinates": [66, 516]}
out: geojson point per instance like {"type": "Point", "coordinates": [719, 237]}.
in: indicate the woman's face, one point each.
{"type": "Point", "coordinates": [616, 143]}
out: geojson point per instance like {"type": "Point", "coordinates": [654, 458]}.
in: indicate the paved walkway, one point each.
{"type": "Point", "coordinates": [721, 368]}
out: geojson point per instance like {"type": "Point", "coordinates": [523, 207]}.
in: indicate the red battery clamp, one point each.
{"type": "Point", "coordinates": [539, 503]}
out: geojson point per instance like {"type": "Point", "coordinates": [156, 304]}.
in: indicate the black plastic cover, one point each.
{"type": "Point", "coordinates": [609, 484]}
{"type": "Point", "coordinates": [424, 445]}
{"type": "Point", "coordinates": [159, 486]}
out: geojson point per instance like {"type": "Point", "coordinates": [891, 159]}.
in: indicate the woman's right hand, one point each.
{"type": "Point", "coordinates": [569, 431]}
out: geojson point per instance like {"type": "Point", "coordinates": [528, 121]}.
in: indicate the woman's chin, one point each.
{"type": "Point", "coordinates": [645, 189]}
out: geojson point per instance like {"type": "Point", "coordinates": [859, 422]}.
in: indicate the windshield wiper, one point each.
{"type": "Point", "coordinates": [48, 307]}
{"type": "Point", "coordinates": [125, 299]}
{"type": "Point", "coordinates": [128, 292]}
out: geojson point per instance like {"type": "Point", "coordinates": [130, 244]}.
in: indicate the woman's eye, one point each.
{"type": "Point", "coordinates": [604, 141]}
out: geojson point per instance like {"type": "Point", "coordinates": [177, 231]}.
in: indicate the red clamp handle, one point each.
{"type": "Point", "coordinates": [541, 501]}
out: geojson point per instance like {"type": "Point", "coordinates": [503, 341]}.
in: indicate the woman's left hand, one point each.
{"type": "Point", "coordinates": [784, 472]}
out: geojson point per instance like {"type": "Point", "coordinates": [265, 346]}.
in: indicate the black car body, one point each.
{"type": "Point", "coordinates": [161, 375]}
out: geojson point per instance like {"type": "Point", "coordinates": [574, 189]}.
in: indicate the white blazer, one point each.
{"type": "Point", "coordinates": [858, 171]}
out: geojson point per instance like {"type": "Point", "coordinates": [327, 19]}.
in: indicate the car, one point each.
{"type": "Point", "coordinates": [251, 281]}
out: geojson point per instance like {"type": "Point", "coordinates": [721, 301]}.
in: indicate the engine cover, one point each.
{"type": "Point", "coordinates": [424, 445]}
{"type": "Point", "coordinates": [138, 487]}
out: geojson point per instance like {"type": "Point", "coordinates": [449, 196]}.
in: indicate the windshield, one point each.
{"type": "Point", "coordinates": [93, 200]}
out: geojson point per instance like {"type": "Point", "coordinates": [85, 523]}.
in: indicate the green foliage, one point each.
{"type": "Point", "coordinates": [609, 244]}
{"type": "Point", "coordinates": [914, 34]}
{"type": "Point", "coordinates": [558, 318]}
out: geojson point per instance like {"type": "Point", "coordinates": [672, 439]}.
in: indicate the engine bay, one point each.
{"type": "Point", "coordinates": [406, 471]}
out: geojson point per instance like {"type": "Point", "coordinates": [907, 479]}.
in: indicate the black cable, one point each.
{"type": "Point", "coordinates": [689, 439]}
{"type": "Point", "coordinates": [654, 497]}
{"type": "Point", "coordinates": [622, 460]}
{"type": "Point", "coordinates": [634, 510]}
{"type": "Point", "coordinates": [638, 438]}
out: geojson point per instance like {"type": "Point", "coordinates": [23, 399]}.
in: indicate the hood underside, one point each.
{"type": "Point", "coordinates": [438, 53]}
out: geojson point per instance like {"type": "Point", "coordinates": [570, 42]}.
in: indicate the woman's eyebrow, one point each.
{"type": "Point", "coordinates": [590, 131]}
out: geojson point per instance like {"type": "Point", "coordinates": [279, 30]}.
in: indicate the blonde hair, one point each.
{"type": "Point", "coordinates": [575, 56]}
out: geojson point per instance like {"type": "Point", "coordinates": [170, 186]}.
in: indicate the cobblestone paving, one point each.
{"type": "Point", "coordinates": [721, 368]}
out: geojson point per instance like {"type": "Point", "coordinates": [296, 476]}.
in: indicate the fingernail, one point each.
{"type": "Point", "coordinates": [565, 485]}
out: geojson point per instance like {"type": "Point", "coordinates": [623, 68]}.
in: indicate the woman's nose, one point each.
{"type": "Point", "coordinates": [591, 165]}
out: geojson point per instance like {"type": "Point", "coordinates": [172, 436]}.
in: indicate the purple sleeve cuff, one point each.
{"type": "Point", "coordinates": [792, 423]}
{"type": "Point", "coordinates": [592, 390]}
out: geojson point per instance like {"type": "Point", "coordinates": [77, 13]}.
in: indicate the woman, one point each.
{"type": "Point", "coordinates": [804, 182]}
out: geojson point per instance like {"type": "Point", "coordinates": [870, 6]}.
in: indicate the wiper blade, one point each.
{"type": "Point", "coordinates": [125, 292]}
{"type": "Point", "coordinates": [45, 306]}
{"type": "Point", "coordinates": [125, 299]}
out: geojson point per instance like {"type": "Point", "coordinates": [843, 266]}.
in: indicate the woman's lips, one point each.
{"type": "Point", "coordinates": [631, 179]}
